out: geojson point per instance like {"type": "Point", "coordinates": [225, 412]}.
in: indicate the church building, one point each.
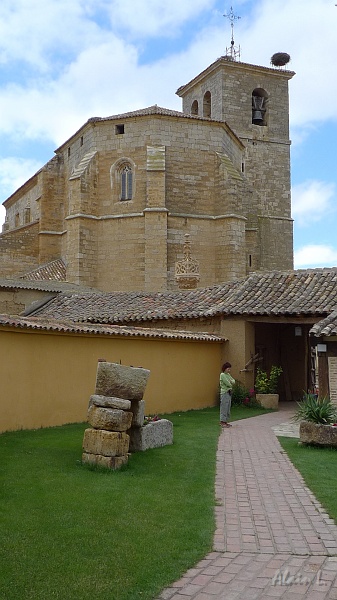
{"type": "Point", "coordinates": [112, 209]}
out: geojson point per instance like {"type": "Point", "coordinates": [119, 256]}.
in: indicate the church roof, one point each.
{"type": "Point", "coordinates": [150, 110]}
{"type": "Point", "coordinates": [310, 292]}
{"type": "Point", "coordinates": [52, 271]}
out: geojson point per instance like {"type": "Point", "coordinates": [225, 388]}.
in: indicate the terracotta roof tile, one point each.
{"type": "Point", "coordinates": [326, 327]}
{"type": "Point", "coordinates": [148, 111]}
{"type": "Point", "coordinates": [43, 285]}
{"type": "Point", "coordinates": [302, 292]}
{"type": "Point", "coordinates": [52, 271]}
{"type": "Point", "coordinates": [45, 324]}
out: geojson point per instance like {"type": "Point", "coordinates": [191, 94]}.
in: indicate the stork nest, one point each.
{"type": "Point", "coordinates": [279, 59]}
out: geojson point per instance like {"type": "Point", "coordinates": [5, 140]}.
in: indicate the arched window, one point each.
{"type": "Point", "coordinates": [207, 105]}
{"type": "Point", "coordinates": [259, 107]}
{"type": "Point", "coordinates": [126, 181]}
{"type": "Point", "coordinates": [195, 108]}
{"type": "Point", "coordinates": [123, 179]}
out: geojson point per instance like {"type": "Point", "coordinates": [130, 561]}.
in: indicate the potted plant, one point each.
{"type": "Point", "coordinates": [318, 421]}
{"type": "Point", "coordinates": [266, 387]}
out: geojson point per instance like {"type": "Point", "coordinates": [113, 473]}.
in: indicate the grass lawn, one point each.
{"type": "Point", "coordinates": [318, 467]}
{"type": "Point", "coordinates": [71, 532]}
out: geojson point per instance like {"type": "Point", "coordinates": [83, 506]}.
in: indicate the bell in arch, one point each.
{"type": "Point", "coordinates": [257, 110]}
{"type": "Point", "coordinates": [257, 117]}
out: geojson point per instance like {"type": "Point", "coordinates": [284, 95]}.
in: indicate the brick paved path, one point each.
{"type": "Point", "coordinates": [273, 539]}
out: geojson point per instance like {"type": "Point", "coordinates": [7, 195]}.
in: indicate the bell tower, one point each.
{"type": "Point", "coordinates": [253, 100]}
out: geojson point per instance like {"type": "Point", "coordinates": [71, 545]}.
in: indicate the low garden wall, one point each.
{"type": "Point", "coordinates": [48, 376]}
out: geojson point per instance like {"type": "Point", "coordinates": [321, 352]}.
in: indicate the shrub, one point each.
{"type": "Point", "coordinates": [241, 396]}
{"type": "Point", "coordinates": [265, 384]}
{"type": "Point", "coordinates": [316, 410]}
{"type": "Point", "coordinates": [239, 393]}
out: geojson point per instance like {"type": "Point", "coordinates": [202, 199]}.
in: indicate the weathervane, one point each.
{"type": "Point", "coordinates": [233, 53]}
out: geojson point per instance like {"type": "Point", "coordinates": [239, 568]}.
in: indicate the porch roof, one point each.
{"type": "Point", "coordinates": [309, 292]}
{"type": "Point", "coordinates": [326, 327]}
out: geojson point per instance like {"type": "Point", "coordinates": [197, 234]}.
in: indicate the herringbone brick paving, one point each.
{"type": "Point", "coordinates": [273, 539]}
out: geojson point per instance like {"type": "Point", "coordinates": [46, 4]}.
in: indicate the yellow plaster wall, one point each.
{"type": "Point", "coordinates": [238, 351]}
{"type": "Point", "coordinates": [47, 378]}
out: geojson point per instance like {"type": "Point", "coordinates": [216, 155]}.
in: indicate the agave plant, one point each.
{"type": "Point", "coordinates": [316, 410]}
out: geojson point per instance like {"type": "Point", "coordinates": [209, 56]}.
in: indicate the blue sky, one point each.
{"type": "Point", "coordinates": [64, 61]}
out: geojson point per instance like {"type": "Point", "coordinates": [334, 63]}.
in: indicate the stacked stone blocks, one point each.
{"type": "Point", "coordinates": [116, 406]}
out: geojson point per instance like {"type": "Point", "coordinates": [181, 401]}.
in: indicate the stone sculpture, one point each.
{"type": "Point", "coordinates": [116, 414]}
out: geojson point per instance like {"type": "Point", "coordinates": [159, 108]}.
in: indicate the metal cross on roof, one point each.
{"type": "Point", "coordinates": [232, 52]}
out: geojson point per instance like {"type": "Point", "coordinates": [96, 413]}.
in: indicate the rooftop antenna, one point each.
{"type": "Point", "coordinates": [233, 52]}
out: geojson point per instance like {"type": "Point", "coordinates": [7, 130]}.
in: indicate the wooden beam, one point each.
{"type": "Point", "coordinates": [323, 375]}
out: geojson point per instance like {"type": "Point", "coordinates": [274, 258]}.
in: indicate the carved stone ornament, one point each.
{"type": "Point", "coordinates": [187, 270]}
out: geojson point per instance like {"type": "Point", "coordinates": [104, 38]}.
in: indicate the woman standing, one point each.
{"type": "Point", "coordinates": [226, 385]}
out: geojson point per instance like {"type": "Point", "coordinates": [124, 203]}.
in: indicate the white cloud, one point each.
{"type": "Point", "coordinates": [312, 201]}
{"type": "Point", "coordinates": [37, 31]}
{"type": "Point", "coordinates": [14, 172]}
{"type": "Point", "coordinates": [153, 18]}
{"type": "Point", "coordinates": [315, 255]}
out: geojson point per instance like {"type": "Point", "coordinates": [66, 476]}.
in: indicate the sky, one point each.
{"type": "Point", "coordinates": [64, 61]}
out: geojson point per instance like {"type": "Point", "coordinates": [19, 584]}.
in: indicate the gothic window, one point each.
{"type": "Point", "coordinates": [126, 182]}
{"type": "Point", "coordinates": [123, 180]}
{"type": "Point", "coordinates": [27, 215]}
{"type": "Point", "coordinates": [207, 105]}
{"type": "Point", "coordinates": [259, 107]}
{"type": "Point", "coordinates": [195, 108]}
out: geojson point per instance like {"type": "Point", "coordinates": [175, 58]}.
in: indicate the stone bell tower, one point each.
{"type": "Point", "coordinates": [253, 101]}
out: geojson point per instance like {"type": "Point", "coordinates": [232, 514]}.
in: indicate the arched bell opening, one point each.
{"type": "Point", "coordinates": [195, 108]}
{"type": "Point", "coordinates": [207, 105]}
{"type": "Point", "coordinates": [259, 107]}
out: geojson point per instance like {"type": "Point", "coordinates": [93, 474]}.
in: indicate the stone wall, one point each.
{"type": "Point", "coordinates": [27, 197]}
{"type": "Point", "coordinates": [19, 250]}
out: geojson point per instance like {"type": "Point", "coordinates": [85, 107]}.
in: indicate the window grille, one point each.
{"type": "Point", "coordinates": [126, 182]}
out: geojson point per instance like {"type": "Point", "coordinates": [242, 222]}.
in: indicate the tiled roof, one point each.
{"type": "Point", "coordinates": [148, 111]}
{"type": "Point", "coordinates": [52, 271]}
{"type": "Point", "coordinates": [302, 292]}
{"type": "Point", "coordinates": [44, 324]}
{"type": "Point", "coordinates": [327, 326]}
{"type": "Point", "coordinates": [43, 286]}
{"type": "Point", "coordinates": [126, 307]}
